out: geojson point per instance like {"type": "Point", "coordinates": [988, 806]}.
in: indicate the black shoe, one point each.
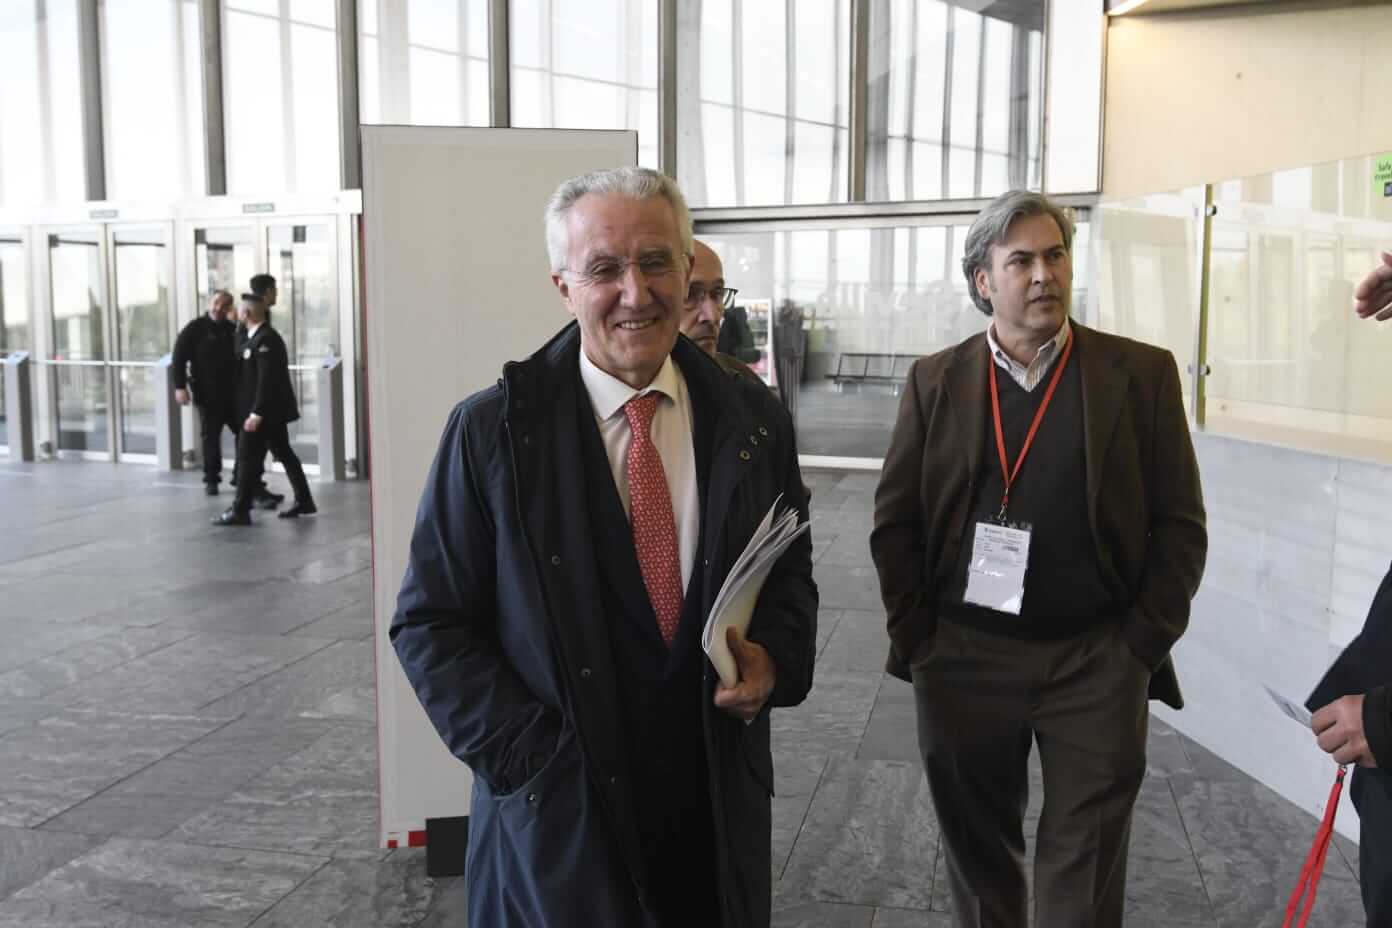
{"type": "Point", "coordinates": [299, 509]}
{"type": "Point", "coordinates": [269, 500]}
{"type": "Point", "coordinates": [233, 517]}
{"type": "Point", "coordinates": [210, 489]}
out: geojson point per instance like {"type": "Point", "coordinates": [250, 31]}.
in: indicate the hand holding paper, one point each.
{"type": "Point", "coordinates": [734, 604]}
{"type": "Point", "coordinates": [757, 675]}
{"type": "Point", "coordinates": [1339, 730]}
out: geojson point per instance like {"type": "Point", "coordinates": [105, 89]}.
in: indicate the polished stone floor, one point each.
{"type": "Point", "coordinates": [187, 737]}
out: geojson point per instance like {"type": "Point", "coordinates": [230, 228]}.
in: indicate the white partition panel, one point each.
{"type": "Point", "coordinates": [457, 283]}
{"type": "Point", "coordinates": [1297, 547]}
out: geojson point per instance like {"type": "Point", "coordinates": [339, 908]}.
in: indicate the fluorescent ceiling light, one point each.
{"type": "Point", "coordinates": [1125, 6]}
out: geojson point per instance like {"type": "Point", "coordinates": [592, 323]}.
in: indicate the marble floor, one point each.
{"type": "Point", "coordinates": [187, 737]}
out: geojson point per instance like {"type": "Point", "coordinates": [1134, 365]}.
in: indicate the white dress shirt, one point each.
{"type": "Point", "coordinates": [1029, 376]}
{"type": "Point", "coordinates": [671, 434]}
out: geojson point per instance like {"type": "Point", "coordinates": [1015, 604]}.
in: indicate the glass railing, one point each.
{"type": "Point", "coordinates": [1267, 342]}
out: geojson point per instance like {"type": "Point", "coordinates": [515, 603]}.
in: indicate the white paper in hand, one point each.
{"type": "Point", "coordinates": [734, 604]}
{"type": "Point", "coordinates": [1292, 709]}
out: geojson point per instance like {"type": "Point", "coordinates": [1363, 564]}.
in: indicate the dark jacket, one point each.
{"type": "Point", "coordinates": [1145, 505]}
{"type": "Point", "coordinates": [500, 629]}
{"type": "Point", "coordinates": [205, 356]}
{"type": "Point", "coordinates": [263, 378]}
{"type": "Point", "coordinates": [1365, 667]}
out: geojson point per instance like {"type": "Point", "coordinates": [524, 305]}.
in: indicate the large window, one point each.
{"type": "Point", "coordinates": [154, 99]}
{"type": "Point", "coordinates": [424, 62]}
{"type": "Point", "coordinates": [280, 86]}
{"type": "Point", "coordinates": [586, 64]}
{"type": "Point", "coordinates": [856, 306]}
{"type": "Point", "coordinates": [763, 101]}
{"type": "Point", "coordinates": [41, 146]}
{"type": "Point", "coordinates": [954, 100]}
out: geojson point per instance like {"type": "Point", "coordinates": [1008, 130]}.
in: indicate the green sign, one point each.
{"type": "Point", "coordinates": [1382, 175]}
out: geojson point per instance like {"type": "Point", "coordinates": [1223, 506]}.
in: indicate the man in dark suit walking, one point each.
{"type": "Point", "coordinates": [574, 531]}
{"type": "Point", "coordinates": [1039, 534]}
{"type": "Point", "coordinates": [266, 405]}
{"type": "Point", "coordinates": [205, 373]}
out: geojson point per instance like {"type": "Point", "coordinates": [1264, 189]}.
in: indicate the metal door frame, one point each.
{"type": "Point", "coordinates": [112, 229]}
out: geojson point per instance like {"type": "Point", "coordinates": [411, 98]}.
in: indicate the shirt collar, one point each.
{"type": "Point", "coordinates": [252, 329]}
{"type": "Point", "coordinates": [1046, 351]}
{"type": "Point", "coordinates": [608, 394]}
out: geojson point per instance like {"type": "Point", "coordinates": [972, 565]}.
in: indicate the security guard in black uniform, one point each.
{"type": "Point", "coordinates": [266, 401]}
{"type": "Point", "coordinates": [263, 286]}
{"type": "Point", "coordinates": [205, 359]}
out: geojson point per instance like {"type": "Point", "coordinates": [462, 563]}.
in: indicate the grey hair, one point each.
{"type": "Point", "coordinates": [631, 182]}
{"type": "Point", "coordinates": [992, 225]}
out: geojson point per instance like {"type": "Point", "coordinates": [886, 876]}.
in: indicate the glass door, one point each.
{"type": "Point", "coordinates": [80, 377]}
{"type": "Point", "coordinates": [140, 271]}
{"type": "Point", "coordinates": [225, 259]}
{"type": "Point", "coordinates": [302, 258]}
{"type": "Point", "coordinates": [15, 334]}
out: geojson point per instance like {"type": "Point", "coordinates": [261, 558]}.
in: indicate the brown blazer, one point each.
{"type": "Point", "coordinates": [1144, 502]}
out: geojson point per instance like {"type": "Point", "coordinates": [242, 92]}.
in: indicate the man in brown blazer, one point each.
{"type": "Point", "coordinates": [1039, 534]}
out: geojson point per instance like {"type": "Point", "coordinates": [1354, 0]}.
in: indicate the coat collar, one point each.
{"type": "Point", "coordinates": [1104, 379]}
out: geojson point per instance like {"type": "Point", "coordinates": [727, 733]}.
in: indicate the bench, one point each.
{"type": "Point", "coordinates": [872, 368]}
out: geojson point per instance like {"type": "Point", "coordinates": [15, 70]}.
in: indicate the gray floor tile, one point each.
{"type": "Point", "coordinates": [1250, 845]}
{"type": "Point", "coordinates": [321, 801]}
{"type": "Point", "coordinates": [870, 838]}
{"type": "Point", "coordinates": [337, 682]}
{"type": "Point", "coordinates": [15, 714]}
{"type": "Point", "coordinates": [833, 717]}
{"type": "Point", "coordinates": [215, 767]}
{"type": "Point", "coordinates": [54, 764]}
{"type": "Point", "coordinates": [27, 640]}
{"type": "Point", "coordinates": [848, 587]}
{"type": "Point", "coordinates": [1163, 877]}
{"type": "Point", "coordinates": [353, 623]}
{"type": "Point", "coordinates": [27, 855]}
{"type": "Point", "coordinates": [823, 915]}
{"type": "Point", "coordinates": [892, 733]}
{"type": "Point", "coordinates": [395, 893]}
{"type": "Point", "coordinates": [859, 643]}
{"type": "Point", "coordinates": [911, 918]}
{"type": "Point", "coordinates": [127, 815]}
{"type": "Point", "coordinates": [450, 908]}
{"type": "Point", "coordinates": [157, 884]}
{"type": "Point", "coordinates": [88, 659]}
{"type": "Point", "coordinates": [848, 549]}
{"type": "Point", "coordinates": [191, 673]}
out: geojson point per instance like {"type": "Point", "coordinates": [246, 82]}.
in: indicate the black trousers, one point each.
{"type": "Point", "coordinates": [212, 418]}
{"type": "Point", "coordinates": [1371, 792]}
{"type": "Point", "coordinates": [251, 462]}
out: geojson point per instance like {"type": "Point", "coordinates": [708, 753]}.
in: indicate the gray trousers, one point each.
{"type": "Point", "coordinates": [982, 701]}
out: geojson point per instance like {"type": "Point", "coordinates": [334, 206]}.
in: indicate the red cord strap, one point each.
{"type": "Point", "coordinates": [1314, 863]}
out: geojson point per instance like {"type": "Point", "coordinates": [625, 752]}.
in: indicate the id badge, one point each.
{"type": "Point", "coordinates": [996, 575]}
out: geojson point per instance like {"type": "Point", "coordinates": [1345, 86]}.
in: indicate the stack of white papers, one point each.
{"type": "Point", "coordinates": [734, 604]}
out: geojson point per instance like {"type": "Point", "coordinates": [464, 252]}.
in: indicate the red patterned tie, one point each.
{"type": "Point", "coordinates": [654, 526]}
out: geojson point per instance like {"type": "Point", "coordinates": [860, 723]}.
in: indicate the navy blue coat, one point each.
{"type": "Point", "coordinates": [500, 630]}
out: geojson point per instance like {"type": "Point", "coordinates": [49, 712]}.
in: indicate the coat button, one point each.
{"type": "Point", "coordinates": [744, 455]}
{"type": "Point", "coordinates": [753, 439]}
{"type": "Point", "coordinates": [585, 673]}
{"type": "Point", "coordinates": [763, 431]}
{"type": "Point", "coordinates": [531, 797]}
{"type": "Point", "coordinates": [613, 781]}
{"type": "Point", "coordinates": [555, 560]}
{"type": "Point", "coordinates": [526, 439]}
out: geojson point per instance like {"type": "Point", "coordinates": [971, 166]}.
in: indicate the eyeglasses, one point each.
{"type": "Point", "coordinates": [723, 296]}
{"type": "Point", "coordinates": [610, 270]}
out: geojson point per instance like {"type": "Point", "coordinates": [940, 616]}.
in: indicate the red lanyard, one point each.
{"type": "Point", "coordinates": [1006, 472]}
{"type": "Point", "coordinates": [1314, 864]}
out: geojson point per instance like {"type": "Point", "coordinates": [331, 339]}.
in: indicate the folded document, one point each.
{"type": "Point", "coordinates": [734, 604]}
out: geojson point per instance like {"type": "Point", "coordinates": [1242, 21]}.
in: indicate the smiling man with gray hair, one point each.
{"type": "Point", "coordinates": [578, 522]}
{"type": "Point", "coordinates": [1039, 534]}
